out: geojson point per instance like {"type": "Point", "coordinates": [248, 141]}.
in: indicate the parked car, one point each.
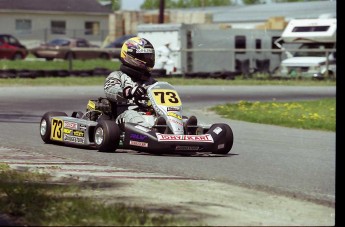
{"type": "Point", "coordinates": [11, 48]}
{"type": "Point", "coordinates": [117, 44]}
{"type": "Point", "coordinates": [70, 48]}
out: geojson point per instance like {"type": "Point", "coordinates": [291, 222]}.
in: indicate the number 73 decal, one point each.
{"type": "Point", "coordinates": [166, 97]}
{"type": "Point", "coordinates": [56, 129]}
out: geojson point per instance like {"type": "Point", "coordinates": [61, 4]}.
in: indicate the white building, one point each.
{"type": "Point", "coordinates": [35, 21]}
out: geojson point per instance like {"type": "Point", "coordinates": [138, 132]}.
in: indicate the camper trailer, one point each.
{"type": "Point", "coordinates": [315, 55]}
{"type": "Point", "coordinates": [212, 50]}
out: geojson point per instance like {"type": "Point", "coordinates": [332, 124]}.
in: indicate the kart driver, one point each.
{"type": "Point", "coordinates": [137, 58]}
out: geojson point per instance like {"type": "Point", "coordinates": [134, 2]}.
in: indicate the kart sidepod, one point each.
{"type": "Point", "coordinates": [218, 140]}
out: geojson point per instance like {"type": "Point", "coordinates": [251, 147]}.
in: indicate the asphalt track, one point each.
{"type": "Point", "coordinates": [294, 162]}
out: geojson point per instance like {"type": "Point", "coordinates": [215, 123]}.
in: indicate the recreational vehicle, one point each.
{"type": "Point", "coordinates": [316, 55]}
{"type": "Point", "coordinates": [212, 50]}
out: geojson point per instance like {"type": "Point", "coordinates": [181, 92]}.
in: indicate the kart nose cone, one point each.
{"type": "Point", "coordinates": [43, 128]}
{"type": "Point", "coordinates": [99, 136]}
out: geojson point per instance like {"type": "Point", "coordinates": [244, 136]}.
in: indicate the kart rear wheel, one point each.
{"type": "Point", "coordinates": [107, 136]}
{"type": "Point", "coordinates": [45, 125]}
{"type": "Point", "coordinates": [229, 139]}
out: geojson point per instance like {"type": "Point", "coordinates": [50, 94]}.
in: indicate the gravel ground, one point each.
{"type": "Point", "coordinates": [202, 202]}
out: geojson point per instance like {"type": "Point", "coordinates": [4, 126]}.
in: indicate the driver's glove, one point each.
{"type": "Point", "coordinates": [134, 92]}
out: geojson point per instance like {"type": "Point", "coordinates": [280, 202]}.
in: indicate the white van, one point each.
{"type": "Point", "coordinates": [316, 54]}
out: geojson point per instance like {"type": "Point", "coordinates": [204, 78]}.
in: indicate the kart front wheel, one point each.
{"type": "Point", "coordinates": [107, 136]}
{"type": "Point", "coordinates": [228, 139]}
{"type": "Point", "coordinates": [45, 125]}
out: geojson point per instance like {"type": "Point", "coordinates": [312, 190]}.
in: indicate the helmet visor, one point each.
{"type": "Point", "coordinates": [146, 56]}
{"type": "Point", "coordinates": [149, 59]}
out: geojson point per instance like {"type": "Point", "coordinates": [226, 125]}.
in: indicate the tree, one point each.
{"type": "Point", "coordinates": [169, 4]}
{"type": "Point", "coordinates": [115, 4]}
{"type": "Point", "coordinates": [154, 4]}
{"type": "Point", "coordinates": [251, 2]}
{"type": "Point", "coordinates": [151, 4]}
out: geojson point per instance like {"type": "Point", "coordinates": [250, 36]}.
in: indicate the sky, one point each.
{"type": "Point", "coordinates": [131, 4]}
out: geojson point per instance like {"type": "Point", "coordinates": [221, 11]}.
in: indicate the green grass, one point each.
{"type": "Point", "coordinates": [59, 64]}
{"type": "Point", "coordinates": [99, 81]}
{"type": "Point", "coordinates": [316, 114]}
{"type": "Point", "coordinates": [36, 201]}
{"type": "Point", "coordinates": [114, 65]}
{"type": "Point", "coordinates": [54, 81]}
{"type": "Point", "coordinates": [241, 81]}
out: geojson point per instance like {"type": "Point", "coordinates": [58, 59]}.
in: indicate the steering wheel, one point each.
{"type": "Point", "coordinates": [141, 102]}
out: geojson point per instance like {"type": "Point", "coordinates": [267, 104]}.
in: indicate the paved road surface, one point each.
{"type": "Point", "coordinates": [298, 163]}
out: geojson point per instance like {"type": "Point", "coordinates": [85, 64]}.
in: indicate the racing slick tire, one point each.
{"type": "Point", "coordinates": [45, 125]}
{"type": "Point", "coordinates": [107, 136]}
{"type": "Point", "coordinates": [103, 117]}
{"type": "Point", "coordinates": [229, 138]}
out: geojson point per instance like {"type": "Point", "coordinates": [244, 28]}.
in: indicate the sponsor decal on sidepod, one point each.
{"type": "Point", "coordinates": [70, 125]}
{"type": "Point", "coordinates": [207, 138]}
{"type": "Point", "coordinates": [74, 139]}
{"type": "Point", "coordinates": [187, 148]}
{"type": "Point", "coordinates": [138, 144]}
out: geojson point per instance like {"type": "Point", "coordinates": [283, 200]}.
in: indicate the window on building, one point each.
{"type": "Point", "coordinates": [58, 27]}
{"type": "Point", "coordinates": [274, 46]}
{"type": "Point", "coordinates": [240, 43]}
{"type": "Point", "coordinates": [258, 44]}
{"type": "Point", "coordinates": [310, 29]}
{"type": "Point", "coordinates": [92, 28]}
{"type": "Point", "coordinates": [23, 26]}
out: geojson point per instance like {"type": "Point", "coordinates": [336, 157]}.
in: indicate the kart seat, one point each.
{"type": "Point", "coordinates": [118, 108]}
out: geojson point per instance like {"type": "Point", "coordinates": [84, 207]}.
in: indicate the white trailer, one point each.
{"type": "Point", "coordinates": [211, 50]}
{"type": "Point", "coordinates": [316, 54]}
{"type": "Point", "coordinates": [160, 35]}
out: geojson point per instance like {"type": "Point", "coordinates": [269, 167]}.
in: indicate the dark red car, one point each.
{"type": "Point", "coordinates": [11, 48]}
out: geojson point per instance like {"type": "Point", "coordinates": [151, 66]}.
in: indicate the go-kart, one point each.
{"type": "Point", "coordinates": [169, 131]}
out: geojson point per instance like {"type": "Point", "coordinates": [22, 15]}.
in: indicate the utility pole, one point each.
{"type": "Point", "coordinates": [161, 11]}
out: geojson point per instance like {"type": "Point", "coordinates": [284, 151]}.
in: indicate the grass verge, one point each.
{"type": "Point", "coordinates": [99, 81]}
{"type": "Point", "coordinates": [33, 200]}
{"type": "Point", "coordinates": [115, 65]}
{"type": "Point", "coordinates": [59, 64]}
{"type": "Point", "coordinates": [316, 114]}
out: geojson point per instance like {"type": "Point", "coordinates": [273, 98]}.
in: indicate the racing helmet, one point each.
{"type": "Point", "coordinates": [138, 53]}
